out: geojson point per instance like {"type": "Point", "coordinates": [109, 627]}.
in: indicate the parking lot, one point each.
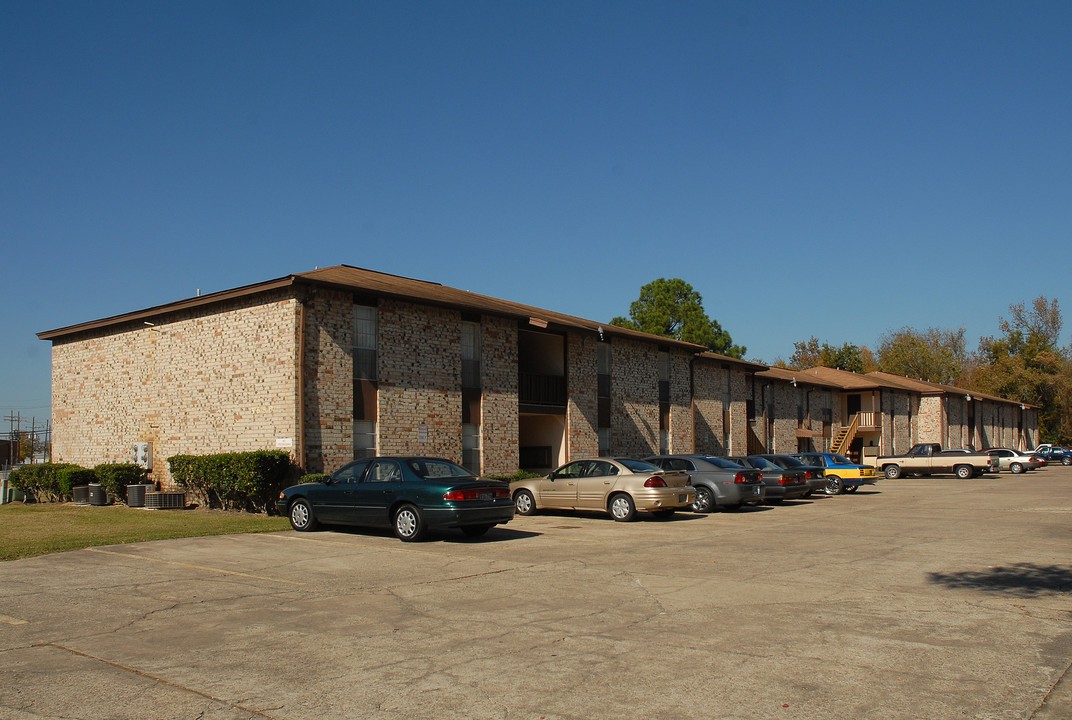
{"type": "Point", "coordinates": [917, 598]}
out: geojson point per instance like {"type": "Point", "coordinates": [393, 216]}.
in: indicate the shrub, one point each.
{"type": "Point", "coordinates": [234, 481]}
{"type": "Point", "coordinates": [41, 483]}
{"type": "Point", "coordinates": [70, 477]}
{"type": "Point", "coordinates": [519, 475]}
{"type": "Point", "coordinates": [115, 477]}
{"type": "Point", "coordinates": [313, 478]}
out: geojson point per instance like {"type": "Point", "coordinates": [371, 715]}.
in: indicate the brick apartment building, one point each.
{"type": "Point", "coordinates": [343, 362]}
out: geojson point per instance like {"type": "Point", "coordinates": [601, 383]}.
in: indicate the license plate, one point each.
{"type": "Point", "coordinates": [487, 496]}
{"type": "Point", "coordinates": [755, 491]}
{"type": "Point", "coordinates": [682, 498]}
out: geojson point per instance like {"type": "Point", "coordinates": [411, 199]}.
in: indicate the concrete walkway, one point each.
{"type": "Point", "coordinates": [918, 598]}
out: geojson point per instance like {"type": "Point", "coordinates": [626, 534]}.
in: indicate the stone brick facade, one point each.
{"type": "Point", "coordinates": [582, 409]}
{"type": "Point", "coordinates": [328, 379]}
{"type": "Point", "coordinates": [499, 417]}
{"type": "Point", "coordinates": [216, 379]}
{"type": "Point", "coordinates": [273, 367]}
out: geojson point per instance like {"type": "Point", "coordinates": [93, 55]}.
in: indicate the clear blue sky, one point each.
{"type": "Point", "coordinates": [836, 169]}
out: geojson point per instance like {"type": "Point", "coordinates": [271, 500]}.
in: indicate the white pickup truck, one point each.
{"type": "Point", "coordinates": [930, 458]}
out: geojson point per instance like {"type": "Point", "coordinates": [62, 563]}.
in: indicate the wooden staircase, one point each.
{"type": "Point", "coordinates": [845, 436]}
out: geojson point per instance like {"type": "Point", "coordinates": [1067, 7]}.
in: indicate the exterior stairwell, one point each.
{"type": "Point", "coordinates": [845, 436]}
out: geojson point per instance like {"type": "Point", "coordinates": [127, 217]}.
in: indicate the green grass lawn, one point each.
{"type": "Point", "coordinates": [29, 530]}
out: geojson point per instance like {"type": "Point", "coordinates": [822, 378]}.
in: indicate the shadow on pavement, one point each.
{"type": "Point", "coordinates": [1022, 579]}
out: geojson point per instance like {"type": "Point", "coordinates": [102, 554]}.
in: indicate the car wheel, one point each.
{"type": "Point", "coordinates": [1066, 461]}
{"type": "Point", "coordinates": [834, 486]}
{"type": "Point", "coordinates": [663, 514]}
{"type": "Point", "coordinates": [892, 471]}
{"type": "Point", "coordinates": [409, 525]}
{"type": "Point", "coordinates": [621, 508]}
{"type": "Point", "coordinates": [1016, 468]}
{"type": "Point", "coordinates": [705, 500]}
{"type": "Point", "coordinates": [301, 516]}
{"type": "Point", "coordinates": [524, 503]}
{"type": "Point", "coordinates": [963, 472]}
{"type": "Point", "coordinates": [476, 530]}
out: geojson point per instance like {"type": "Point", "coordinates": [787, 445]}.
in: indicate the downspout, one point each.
{"type": "Point", "coordinates": [301, 384]}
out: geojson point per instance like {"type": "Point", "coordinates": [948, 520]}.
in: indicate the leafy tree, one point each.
{"type": "Point", "coordinates": [933, 355]}
{"type": "Point", "coordinates": [811, 353]}
{"type": "Point", "coordinates": [1027, 363]}
{"type": "Point", "coordinates": [672, 308]}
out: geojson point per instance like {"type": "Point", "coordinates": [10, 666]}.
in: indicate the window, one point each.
{"type": "Point", "coordinates": [351, 473]}
{"type": "Point", "coordinates": [364, 439]}
{"type": "Point", "coordinates": [471, 448]}
{"type": "Point", "coordinates": [470, 354]}
{"type": "Point", "coordinates": [604, 440]}
{"type": "Point", "coordinates": [603, 367]}
{"type": "Point", "coordinates": [365, 387]}
{"type": "Point", "coordinates": [365, 342]}
{"type": "Point", "coordinates": [383, 471]}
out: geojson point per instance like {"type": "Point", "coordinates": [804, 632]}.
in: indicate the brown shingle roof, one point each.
{"type": "Point", "coordinates": [777, 373]}
{"type": "Point", "coordinates": [345, 277]}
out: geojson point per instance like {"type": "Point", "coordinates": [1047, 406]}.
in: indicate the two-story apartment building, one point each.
{"type": "Point", "coordinates": [343, 362]}
{"type": "Point", "coordinates": [868, 415]}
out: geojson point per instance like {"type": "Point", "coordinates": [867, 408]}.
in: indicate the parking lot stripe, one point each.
{"type": "Point", "coordinates": [196, 567]}
{"type": "Point", "coordinates": [12, 621]}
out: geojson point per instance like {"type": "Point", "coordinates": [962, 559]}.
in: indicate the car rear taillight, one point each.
{"type": "Point", "coordinates": [655, 482]}
{"type": "Point", "coordinates": [783, 480]}
{"type": "Point", "coordinates": [739, 478]}
{"type": "Point", "coordinates": [807, 475]}
{"type": "Point", "coordinates": [477, 494]}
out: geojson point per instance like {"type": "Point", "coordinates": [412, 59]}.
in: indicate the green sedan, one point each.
{"type": "Point", "coordinates": [411, 495]}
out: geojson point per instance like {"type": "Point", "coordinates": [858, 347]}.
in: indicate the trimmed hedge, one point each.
{"type": "Point", "coordinates": [519, 475]}
{"type": "Point", "coordinates": [313, 478]}
{"type": "Point", "coordinates": [47, 482]}
{"type": "Point", "coordinates": [115, 477]}
{"type": "Point", "coordinates": [234, 481]}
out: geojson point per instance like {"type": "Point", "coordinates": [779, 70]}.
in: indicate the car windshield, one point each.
{"type": "Point", "coordinates": [841, 459]}
{"type": "Point", "coordinates": [638, 466]}
{"type": "Point", "coordinates": [723, 463]}
{"type": "Point", "coordinates": [426, 468]}
{"type": "Point", "coordinates": [763, 464]}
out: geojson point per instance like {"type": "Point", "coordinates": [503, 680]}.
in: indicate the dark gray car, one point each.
{"type": "Point", "coordinates": [781, 484]}
{"type": "Point", "coordinates": [813, 474]}
{"type": "Point", "coordinates": [719, 483]}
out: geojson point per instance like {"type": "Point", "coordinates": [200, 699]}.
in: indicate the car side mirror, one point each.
{"type": "Point", "coordinates": [551, 476]}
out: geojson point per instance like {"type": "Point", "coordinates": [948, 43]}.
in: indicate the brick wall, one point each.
{"type": "Point", "coordinates": [634, 398]}
{"type": "Point", "coordinates": [738, 412]}
{"type": "Point", "coordinates": [420, 402]}
{"type": "Point", "coordinates": [931, 421]}
{"type": "Point", "coordinates": [708, 405]}
{"type": "Point", "coordinates": [208, 380]}
{"type": "Point", "coordinates": [582, 409]}
{"type": "Point", "coordinates": [328, 379]}
{"type": "Point", "coordinates": [499, 421]}
{"type": "Point", "coordinates": [682, 439]}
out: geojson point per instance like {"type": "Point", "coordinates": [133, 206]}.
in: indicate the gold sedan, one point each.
{"type": "Point", "coordinates": [619, 486]}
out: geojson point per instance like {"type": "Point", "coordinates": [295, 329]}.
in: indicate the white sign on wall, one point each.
{"type": "Point", "coordinates": [284, 442]}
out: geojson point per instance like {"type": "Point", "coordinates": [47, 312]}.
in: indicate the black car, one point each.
{"type": "Point", "coordinates": [813, 474]}
{"type": "Point", "coordinates": [781, 484]}
{"type": "Point", "coordinates": [1056, 455]}
{"type": "Point", "coordinates": [408, 494]}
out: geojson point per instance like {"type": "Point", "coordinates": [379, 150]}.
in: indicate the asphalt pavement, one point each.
{"type": "Point", "coordinates": [917, 598]}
